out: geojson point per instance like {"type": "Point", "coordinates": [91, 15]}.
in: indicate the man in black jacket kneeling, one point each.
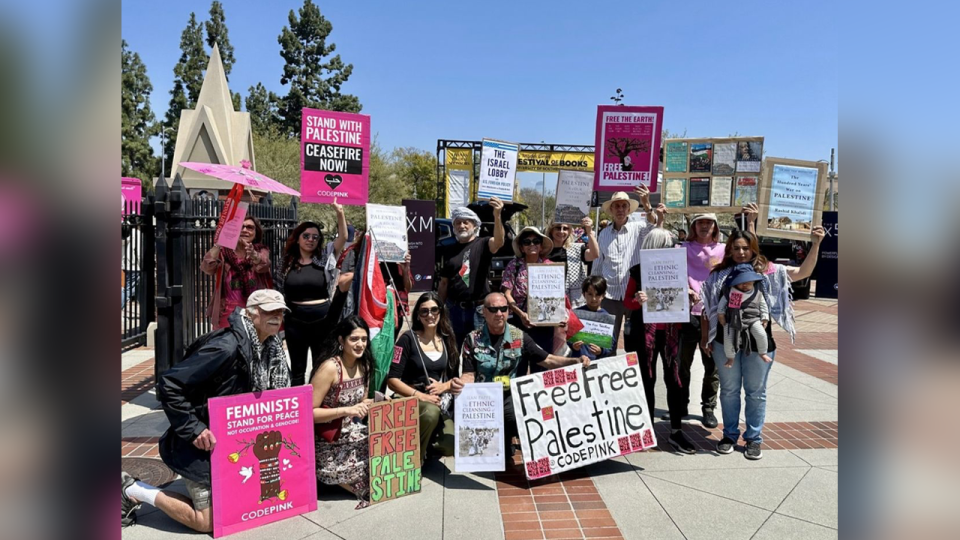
{"type": "Point", "coordinates": [246, 356]}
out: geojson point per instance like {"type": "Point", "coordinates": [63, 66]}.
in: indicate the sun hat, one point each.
{"type": "Point", "coordinates": [546, 247]}
{"type": "Point", "coordinates": [743, 273]}
{"type": "Point", "coordinates": [621, 196]}
{"type": "Point", "coordinates": [697, 217]}
{"type": "Point", "coordinates": [267, 300]}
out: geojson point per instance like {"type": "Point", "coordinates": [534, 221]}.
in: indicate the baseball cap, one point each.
{"type": "Point", "coordinates": [267, 300]}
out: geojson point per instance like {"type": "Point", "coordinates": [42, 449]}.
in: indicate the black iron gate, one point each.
{"type": "Point", "coordinates": [184, 233]}
{"type": "Point", "coordinates": [137, 273]}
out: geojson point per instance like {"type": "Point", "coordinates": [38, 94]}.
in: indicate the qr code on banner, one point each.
{"type": "Point", "coordinates": [543, 466]}
{"type": "Point", "coordinates": [647, 438]}
{"type": "Point", "coordinates": [635, 443]}
{"type": "Point", "coordinates": [624, 443]}
{"type": "Point", "coordinates": [532, 469]}
{"type": "Point", "coordinates": [548, 379]}
{"type": "Point", "coordinates": [571, 376]}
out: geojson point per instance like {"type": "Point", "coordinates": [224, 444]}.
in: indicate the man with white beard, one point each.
{"type": "Point", "coordinates": [463, 278]}
{"type": "Point", "coordinates": [246, 356]}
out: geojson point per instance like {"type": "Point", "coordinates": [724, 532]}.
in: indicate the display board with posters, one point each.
{"type": "Point", "coordinates": [574, 416]}
{"type": "Point", "coordinates": [663, 277]}
{"type": "Point", "coordinates": [546, 293]}
{"type": "Point", "coordinates": [498, 170]}
{"type": "Point", "coordinates": [422, 242]}
{"type": "Point", "coordinates": [627, 151]}
{"type": "Point", "coordinates": [334, 157]}
{"type": "Point", "coordinates": [394, 443]}
{"type": "Point", "coordinates": [791, 198]}
{"type": "Point", "coordinates": [574, 190]}
{"type": "Point", "coordinates": [478, 418]}
{"type": "Point", "coordinates": [711, 175]}
{"type": "Point", "coordinates": [828, 265]}
{"type": "Point", "coordinates": [388, 227]}
{"type": "Point", "coordinates": [263, 468]}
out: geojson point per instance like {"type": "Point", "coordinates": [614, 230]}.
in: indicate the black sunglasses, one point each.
{"type": "Point", "coordinates": [495, 309]}
{"type": "Point", "coordinates": [429, 311]}
{"type": "Point", "coordinates": [308, 236]}
{"type": "Point", "coordinates": [531, 242]}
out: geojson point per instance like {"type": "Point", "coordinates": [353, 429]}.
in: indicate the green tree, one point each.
{"type": "Point", "coordinates": [187, 80]}
{"type": "Point", "coordinates": [305, 51]}
{"type": "Point", "coordinates": [417, 169]}
{"type": "Point", "coordinates": [263, 108]}
{"type": "Point", "coordinates": [217, 35]}
{"type": "Point", "coordinates": [137, 122]}
{"type": "Point", "coordinates": [534, 200]}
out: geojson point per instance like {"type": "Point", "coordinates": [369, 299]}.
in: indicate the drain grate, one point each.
{"type": "Point", "coordinates": [148, 470]}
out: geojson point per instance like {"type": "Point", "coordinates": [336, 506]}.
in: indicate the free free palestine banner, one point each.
{"type": "Point", "coordinates": [334, 157]}
{"type": "Point", "coordinates": [574, 416]}
{"type": "Point", "coordinates": [627, 150]}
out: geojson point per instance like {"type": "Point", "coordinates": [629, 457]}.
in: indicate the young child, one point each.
{"type": "Point", "coordinates": [594, 287]}
{"type": "Point", "coordinates": [742, 307]}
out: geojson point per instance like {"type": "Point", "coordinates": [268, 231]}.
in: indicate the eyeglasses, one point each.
{"type": "Point", "coordinates": [307, 236]}
{"type": "Point", "coordinates": [496, 309]}
{"type": "Point", "coordinates": [531, 242]}
{"type": "Point", "coordinates": [249, 227]}
{"type": "Point", "coordinates": [561, 228]}
{"type": "Point", "coordinates": [429, 311]}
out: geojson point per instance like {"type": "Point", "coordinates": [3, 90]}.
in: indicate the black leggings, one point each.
{"type": "Point", "coordinates": [306, 328]}
{"type": "Point", "coordinates": [675, 396]}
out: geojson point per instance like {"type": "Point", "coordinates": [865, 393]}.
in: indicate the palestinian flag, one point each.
{"type": "Point", "coordinates": [465, 271]}
{"type": "Point", "coordinates": [376, 305]}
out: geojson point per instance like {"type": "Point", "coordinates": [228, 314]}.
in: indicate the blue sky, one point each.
{"type": "Point", "coordinates": [526, 72]}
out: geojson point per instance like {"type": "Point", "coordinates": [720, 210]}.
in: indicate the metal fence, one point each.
{"type": "Point", "coordinates": [137, 273]}
{"type": "Point", "coordinates": [184, 233]}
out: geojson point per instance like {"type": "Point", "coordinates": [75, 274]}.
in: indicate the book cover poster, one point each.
{"type": "Point", "coordinates": [746, 191]}
{"type": "Point", "coordinates": [749, 156]}
{"type": "Point", "coordinates": [675, 192]}
{"type": "Point", "coordinates": [676, 157]}
{"type": "Point", "coordinates": [478, 417]}
{"type": "Point", "coordinates": [546, 294]}
{"type": "Point", "coordinates": [721, 191]}
{"type": "Point", "coordinates": [699, 194]}
{"type": "Point", "coordinates": [793, 193]}
{"type": "Point", "coordinates": [574, 190]}
{"type": "Point", "coordinates": [724, 158]}
{"type": "Point", "coordinates": [701, 157]}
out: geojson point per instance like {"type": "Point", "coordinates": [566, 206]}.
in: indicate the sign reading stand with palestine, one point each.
{"type": "Point", "coordinates": [627, 150]}
{"type": "Point", "coordinates": [334, 157]}
{"type": "Point", "coordinates": [498, 170]}
{"type": "Point", "coordinates": [394, 449]}
{"type": "Point", "coordinates": [711, 175]}
{"type": "Point", "coordinates": [575, 416]}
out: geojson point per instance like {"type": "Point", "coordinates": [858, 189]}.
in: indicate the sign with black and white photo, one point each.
{"type": "Point", "coordinates": [574, 190]}
{"type": "Point", "coordinates": [574, 416]}
{"type": "Point", "coordinates": [546, 294]}
{"type": "Point", "coordinates": [663, 276]}
{"type": "Point", "coordinates": [388, 227]}
{"type": "Point", "coordinates": [478, 417]}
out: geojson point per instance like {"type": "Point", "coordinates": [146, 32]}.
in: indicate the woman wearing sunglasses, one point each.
{"type": "Point", "coordinates": [426, 369]}
{"type": "Point", "coordinates": [531, 246]}
{"type": "Point", "coordinates": [574, 255]}
{"type": "Point", "coordinates": [306, 288]}
{"type": "Point", "coordinates": [237, 272]}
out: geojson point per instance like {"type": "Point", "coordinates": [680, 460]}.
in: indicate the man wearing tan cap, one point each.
{"type": "Point", "coordinates": [246, 356]}
{"type": "Point", "coordinates": [620, 248]}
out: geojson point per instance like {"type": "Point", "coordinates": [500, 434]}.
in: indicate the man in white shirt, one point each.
{"type": "Point", "coordinates": [620, 248]}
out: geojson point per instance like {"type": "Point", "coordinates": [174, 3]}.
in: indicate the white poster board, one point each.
{"type": "Point", "coordinates": [498, 170]}
{"type": "Point", "coordinates": [574, 191]}
{"type": "Point", "coordinates": [388, 226]}
{"type": "Point", "coordinates": [571, 417]}
{"type": "Point", "coordinates": [478, 417]}
{"type": "Point", "coordinates": [663, 276]}
{"type": "Point", "coordinates": [546, 293]}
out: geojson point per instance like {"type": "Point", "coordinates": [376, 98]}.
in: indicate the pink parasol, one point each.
{"type": "Point", "coordinates": [240, 175]}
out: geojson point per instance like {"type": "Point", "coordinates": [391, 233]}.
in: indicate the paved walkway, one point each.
{"type": "Point", "coordinates": [790, 493]}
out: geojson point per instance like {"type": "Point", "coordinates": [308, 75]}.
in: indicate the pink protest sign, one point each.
{"type": "Point", "coordinates": [131, 193]}
{"type": "Point", "coordinates": [627, 147]}
{"type": "Point", "coordinates": [230, 233]}
{"type": "Point", "coordinates": [263, 466]}
{"type": "Point", "coordinates": [334, 157]}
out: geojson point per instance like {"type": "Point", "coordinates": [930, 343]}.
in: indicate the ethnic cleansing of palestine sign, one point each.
{"type": "Point", "coordinates": [571, 417]}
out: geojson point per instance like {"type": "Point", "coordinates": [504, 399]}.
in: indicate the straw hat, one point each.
{"type": "Point", "coordinates": [621, 196]}
{"type": "Point", "coordinates": [546, 247]}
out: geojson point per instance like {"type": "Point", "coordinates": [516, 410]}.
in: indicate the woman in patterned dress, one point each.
{"type": "Point", "coordinates": [339, 389]}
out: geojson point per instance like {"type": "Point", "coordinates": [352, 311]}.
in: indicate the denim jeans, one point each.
{"type": "Point", "coordinates": [750, 373]}
{"type": "Point", "coordinates": [463, 321]}
{"type": "Point", "coordinates": [129, 290]}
